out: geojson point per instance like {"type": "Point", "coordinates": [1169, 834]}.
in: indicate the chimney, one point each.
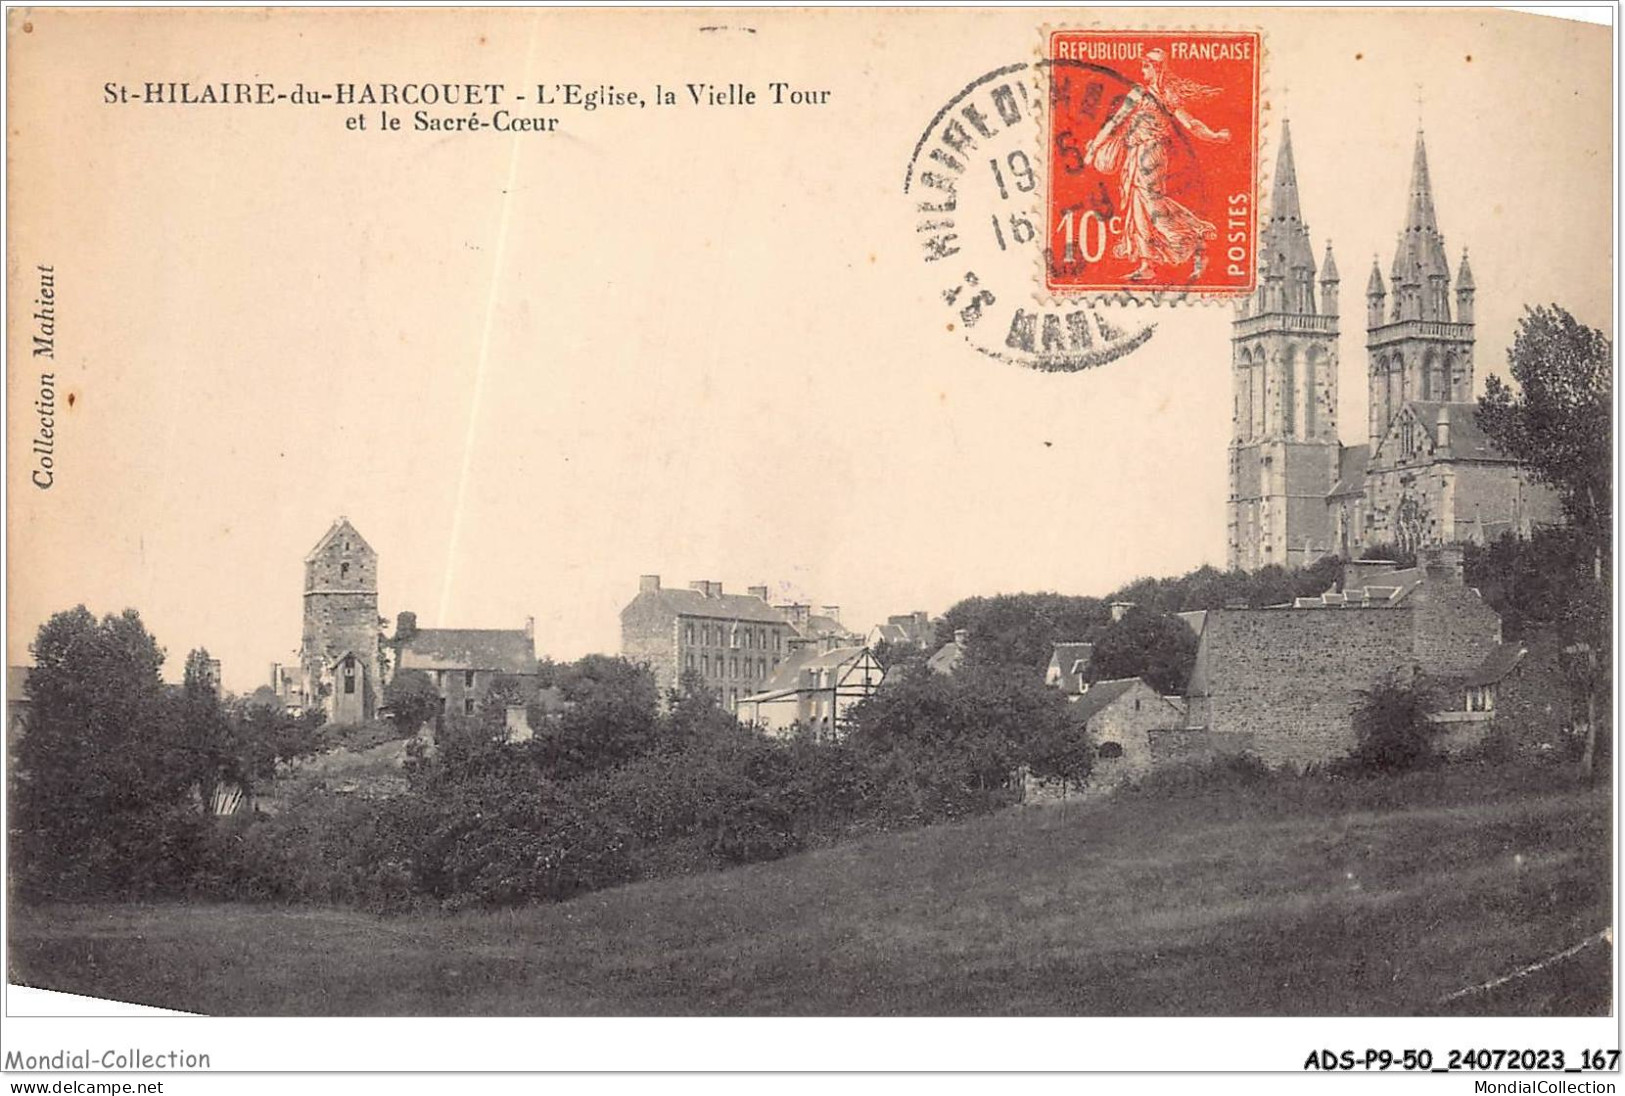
{"type": "Point", "coordinates": [530, 627]}
{"type": "Point", "coordinates": [1120, 610]}
{"type": "Point", "coordinates": [833, 612]}
{"type": "Point", "coordinates": [757, 592]}
{"type": "Point", "coordinates": [713, 589]}
{"type": "Point", "coordinates": [701, 587]}
{"type": "Point", "coordinates": [648, 584]}
{"type": "Point", "coordinates": [1444, 563]}
{"type": "Point", "coordinates": [961, 636]}
{"type": "Point", "coordinates": [406, 626]}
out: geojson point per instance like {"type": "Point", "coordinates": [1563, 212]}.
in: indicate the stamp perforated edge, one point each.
{"type": "Point", "coordinates": [1043, 294]}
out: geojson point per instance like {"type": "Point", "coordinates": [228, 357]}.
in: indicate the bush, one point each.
{"type": "Point", "coordinates": [1392, 729]}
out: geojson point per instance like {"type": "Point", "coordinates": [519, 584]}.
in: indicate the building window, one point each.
{"type": "Point", "coordinates": [468, 706]}
{"type": "Point", "coordinates": [778, 640]}
{"type": "Point", "coordinates": [689, 660]}
{"type": "Point", "coordinates": [705, 665]}
{"type": "Point", "coordinates": [1109, 750]}
{"type": "Point", "coordinates": [440, 678]}
{"type": "Point", "coordinates": [761, 637]}
{"type": "Point", "coordinates": [705, 634]}
{"type": "Point", "coordinates": [442, 705]}
{"type": "Point", "coordinates": [688, 634]}
{"type": "Point", "coordinates": [761, 667]}
{"type": "Point", "coordinates": [750, 638]}
{"type": "Point", "coordinates": [733, 667]}
{"type": "Point", "coordinates": [468, 679]}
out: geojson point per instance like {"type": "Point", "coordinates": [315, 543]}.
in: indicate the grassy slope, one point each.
{"type": "Point", "coordinates": [1217, 905]}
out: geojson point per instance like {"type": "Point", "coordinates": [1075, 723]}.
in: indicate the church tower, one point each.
{"type": "Point", "coordinates": [1284, 447]}
{"type": "Point", "coordinates": [338, 654]}
{"type": "Point", "coordinates": [1417, 352]}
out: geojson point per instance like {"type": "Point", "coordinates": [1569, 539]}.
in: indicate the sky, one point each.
{"type": "Point", "coordinates": [696, 343]}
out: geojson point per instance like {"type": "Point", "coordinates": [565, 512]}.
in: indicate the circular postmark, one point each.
{"type": "Point", "coordinates": [976, 182]}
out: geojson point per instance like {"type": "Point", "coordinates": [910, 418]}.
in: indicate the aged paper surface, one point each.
{"type": "Point", "coordinates": [543, 301]}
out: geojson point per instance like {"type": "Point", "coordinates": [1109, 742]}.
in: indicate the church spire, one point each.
{"type": "Point", "coordinates": [1284, 197]}
{"type": "Point", "coordinates": [1288, 256]}
{"type": "Point", "coordinates": [1421, 273]}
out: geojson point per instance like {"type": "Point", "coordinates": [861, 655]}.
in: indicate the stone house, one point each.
{"type": "Point", "coordinates": [814, 689]}
{"type": "Point", "coordinates": [1521, 690]}
{"type": "Point", "coordinates": [735, 642]}
{"type": "Point", "coordinates": [465, 663]}
{"type": "Point", "coordinates": [1120, 716]}
{"type": "Point", "coordinates": [1291, 676]}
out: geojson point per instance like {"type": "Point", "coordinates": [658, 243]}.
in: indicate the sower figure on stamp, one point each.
{"type": "Point", "coordinates": [1138, 140]}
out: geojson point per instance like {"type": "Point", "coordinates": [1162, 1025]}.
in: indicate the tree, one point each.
{"type": "Point", "coordinates": [412, 699]}
{"type": "Point", "coordinates": [1559, 422]}
{"type": "Point", "coordinates": [207, 732]}
{"type": "Point", "coordinates": [611, 715]}
{"type": "Point", "coordinates": [1155, 646]}
{"type": "Point", "coordinates": [105, 782]}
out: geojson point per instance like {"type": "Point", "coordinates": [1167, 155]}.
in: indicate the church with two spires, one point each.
{"type": "Point", "coordinates": [1425, 475]}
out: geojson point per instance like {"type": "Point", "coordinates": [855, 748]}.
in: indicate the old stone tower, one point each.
{"type": "Point", "coordinates": [338, 654]}
{"type": "Point", "coordinates": [1284, 445]}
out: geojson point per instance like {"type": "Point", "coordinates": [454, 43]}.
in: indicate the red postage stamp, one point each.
{"type": "Point", "coordinates": [1153, 162]}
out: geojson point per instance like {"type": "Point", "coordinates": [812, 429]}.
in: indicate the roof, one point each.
{"type": "Point", "coordinates": [340, 527]}
{"type": "Point", "coordinates": [947, 659]}
{"type": "Point", "coordinates": [1351, 465]}
{"type": "Point", "coordinates": [504, 650]}
{"type": "Point", "coordinates": [1383, 590]}
{"type": "Point", "coordinates": [1467, 439]}
{"type": "Point", "coordinates": [788, 676]}
{"type": "Point", "coordinates": [1196, 618]}
{"type": "Point", "coordinates": [1497, 664]}
{"type": "Point", "coordinates": [1101, 695]}
{"type": "Point", "coordinates": [820, 626]}
{"type": "Point", "coordinates": [717, 606]}
{"type": "Point", "coordinates": [892, 633]}
{"type": "Point", "coordinates": [1071, 659]}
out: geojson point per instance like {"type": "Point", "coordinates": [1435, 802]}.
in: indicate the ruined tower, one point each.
{"type": "Point", "coordinates": [338, 653]}
{"type": "Point", "coordinates": [1284, 446]}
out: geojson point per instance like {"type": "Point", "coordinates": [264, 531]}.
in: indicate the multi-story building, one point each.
{"type": "Point", "coordinates": [734, 642]}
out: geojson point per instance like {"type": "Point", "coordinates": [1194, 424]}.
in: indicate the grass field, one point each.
{"type": "Point", "coordinates": [1373, 902]}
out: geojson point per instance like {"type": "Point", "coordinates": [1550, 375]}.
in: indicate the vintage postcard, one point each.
{"type": "Point", "coordinates": [1094, 515]}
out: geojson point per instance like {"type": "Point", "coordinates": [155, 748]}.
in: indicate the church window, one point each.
{"type": "Point", "coordinates": [344, 569]}
{"type": "Point", "coordinates": [1289, 392]}
{"type": "Point", "coordinates": [349, 677]}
